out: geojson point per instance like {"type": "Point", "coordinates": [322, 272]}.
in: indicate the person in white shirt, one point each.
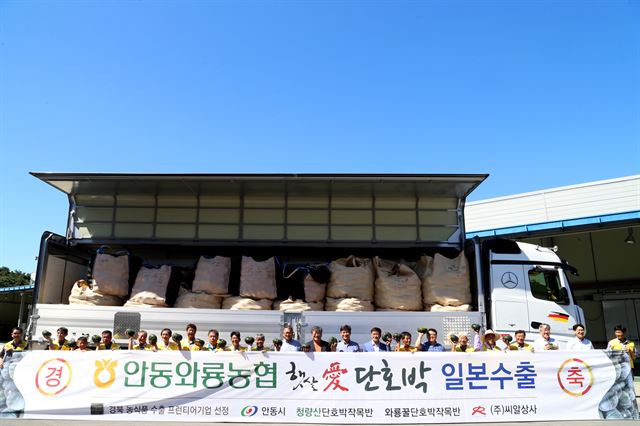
{"type": "Point", "coordinates": [545, 342]}
{"type": "Point", "coordinates": [289, 344]}
{"type": "Point", "coordinates": [579, 343]}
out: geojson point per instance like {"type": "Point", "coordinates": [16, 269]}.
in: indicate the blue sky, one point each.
{"type": "Point", "coordinates": [537, 94]}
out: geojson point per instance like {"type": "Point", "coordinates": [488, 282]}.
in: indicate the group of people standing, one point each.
{"type": "Point", "coordinates": [168, 340]}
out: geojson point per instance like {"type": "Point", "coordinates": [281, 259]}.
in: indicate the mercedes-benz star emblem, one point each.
{"type": "Point", "coordinates": [509, 280]}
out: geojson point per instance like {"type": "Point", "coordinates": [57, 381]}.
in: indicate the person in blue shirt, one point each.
{"type": "Point", "coordinates": [346, 344]}
{"type": "Point", "coordinates": [375, 345]}
{"type": "Point", "coordinates": [431, 345]}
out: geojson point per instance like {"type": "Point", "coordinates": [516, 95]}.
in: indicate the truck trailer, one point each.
{"type": "Point", "coordinates": [300, 219]}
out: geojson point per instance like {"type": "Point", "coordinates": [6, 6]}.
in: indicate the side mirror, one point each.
{"type": "Point", "coordinates": [564, 294]}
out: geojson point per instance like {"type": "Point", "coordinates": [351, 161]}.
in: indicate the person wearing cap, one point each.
{"type": "Point", "coordinates": [489, 343]}
{"type": "Point", "coordinates": [545, 342]}
{"type": "Point", "coordinates": [520, 344]}
{"type": "Point", "coordinates": [621, 343]}
{"type": "Point", "coordinates": [579, 342]}
{"type": "Point", "coordinates": [463, 344]}
{"type": "Point", "coordinates": [431, 345]}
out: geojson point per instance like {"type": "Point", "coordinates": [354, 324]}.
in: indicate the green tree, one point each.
{"type": "Point", "coordinates": [10, 278]}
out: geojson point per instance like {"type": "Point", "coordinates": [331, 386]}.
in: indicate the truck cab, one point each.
{"type": "Point", "coordinates": [528, 286]}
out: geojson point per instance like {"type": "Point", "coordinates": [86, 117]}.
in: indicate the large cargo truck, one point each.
{"type": "Point", "coordinates": [301, 219]}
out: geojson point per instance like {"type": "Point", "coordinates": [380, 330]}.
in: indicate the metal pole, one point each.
{"type": "Point", "coordinates": [21, 308]}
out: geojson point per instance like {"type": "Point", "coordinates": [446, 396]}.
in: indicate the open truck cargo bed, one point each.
{"type": "Point", "coordinates": [173, 219]}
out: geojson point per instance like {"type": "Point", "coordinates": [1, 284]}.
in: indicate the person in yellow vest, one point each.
{"type": "Point", "coordinates": [489, 343]}
{"type": "Point", "coordinates": [463, 344]}
{"type": "Point", "coordinates": [405, 343]}
{"type": "Point", "coordinates": [260, 347]}
{"type": "Point", "coordinates": [165, 343]}
{"type": "Point", "coordinates": [141, 344]}
{"type": "Point", "coordinates": [61, 343]}
{"type": "Point", "coordinates": [15, 345]}
{"type": "Point", "coordinates": [107, 342]}
{"type": "Point", "coordinates": [520, 344]}
{"type": "Point", "coordinates": [621, 343]}
{"type": "Point", "coordinates": [82, 344]}
{"type": "Point", "coordinates": [212, 343]}
{"type": "Point", "coordinates": [191, 343]}
{"type": "Point", "coordinates": [235, 343]}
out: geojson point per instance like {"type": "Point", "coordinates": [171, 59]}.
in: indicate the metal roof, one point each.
{"type": "Point", "coordinates": [592, 203]}
{"type": "Point", "coordinates": [16, 289]}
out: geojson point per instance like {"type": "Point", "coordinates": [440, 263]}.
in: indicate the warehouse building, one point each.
{"type": "Point", "coordinates": [596, 227]}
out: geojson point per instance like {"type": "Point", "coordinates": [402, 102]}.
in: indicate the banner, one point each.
{"type": "Point", "coordinates": [318, 387]}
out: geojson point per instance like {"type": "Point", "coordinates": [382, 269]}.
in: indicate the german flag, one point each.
{"type": "Point", "coordinates": [558, 316]}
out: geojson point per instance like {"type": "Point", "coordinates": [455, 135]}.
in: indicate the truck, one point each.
{"type": "Point", "coordinates": [301, 219]}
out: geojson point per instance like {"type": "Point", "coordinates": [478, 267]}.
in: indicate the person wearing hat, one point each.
{"type": "Point", "coordinates": [545, 342]}
{"type": "Point", "coordinates": [490, 342]}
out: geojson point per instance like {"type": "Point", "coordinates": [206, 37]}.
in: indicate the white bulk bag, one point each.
{"type": "Point", "coordinates": [111, 274]}
{"type": "Point", "coordinates": [151, 285]}
{"type": "Point", "coordinates": [351, 277]}
{"type": "Point", "coordinates": [297, 306]}
{"type": "Point", "coordinates": [397, 286]}
{"type": "Point", "coordinates": [440, 308]}
{"type": "Point", "coordinates": [235, 303]}
{"type": "Point", "coordinates": [83, 294]}
{"type": "Point", "coordinates": [313, 290]}
{"type": "Point", "coordinates": [348, 305]}
{"type": "Point", "coordinates": [258, 279]}
{"type": "Point", "coordinates": [212, 275]}
{"type": "Point", "coordinates": [187, 299]}
{"type": "Point", "coordinates": [448, 283]}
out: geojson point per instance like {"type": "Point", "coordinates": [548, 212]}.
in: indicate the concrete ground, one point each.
{"type": "Point", "coordinates": [19, 422]}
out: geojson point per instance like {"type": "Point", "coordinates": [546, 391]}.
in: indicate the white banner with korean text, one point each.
{"type": "Point", "coordinates": [319, 387]}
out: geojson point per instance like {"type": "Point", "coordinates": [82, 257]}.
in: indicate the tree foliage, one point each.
{"type": "Point", "coordinates": [10, 278]}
